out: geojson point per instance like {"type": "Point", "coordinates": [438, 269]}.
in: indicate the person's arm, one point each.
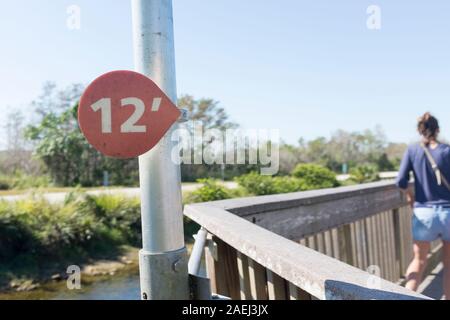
{"type": "Point", "coordinates": [409, 196]}
{"type": "Point", "coordinates": [404, 176]}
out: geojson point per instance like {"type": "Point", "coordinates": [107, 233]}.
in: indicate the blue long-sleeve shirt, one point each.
{"type": "Point", "coordinates": [427, 191]}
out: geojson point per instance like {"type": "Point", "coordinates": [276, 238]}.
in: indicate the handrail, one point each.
{"type": "Point", "coordinates": [319, 275]}
{"type": "Point", "coordinates": [297, 215]}
{"type": "Point", "coordinates": [248, 205]}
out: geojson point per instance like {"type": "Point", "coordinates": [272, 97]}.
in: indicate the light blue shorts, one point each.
{"type": "Point", "coordinates": [430, 224]}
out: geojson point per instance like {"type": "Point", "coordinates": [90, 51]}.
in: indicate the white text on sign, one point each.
{"type": "Point", "coordinates": [104, 106]}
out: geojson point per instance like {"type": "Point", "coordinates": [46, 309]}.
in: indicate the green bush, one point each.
{"type": "Point", "coordinates": [305, 177]}
{"type": "Point", "coordinates": [83, 223]}
{"type": "Point", "coordinates": [288, 185]}
{"type": "Point", "coordinates": [314, 176]}
{"type": "Point", "coordinates": [15, 237]}
{"type": "Point", "coordinates": [121, 214]}
{"type": "Point", "coordinates": [256, 184]}
{"type": "Point", "coordinates": [364, 174]}
{"type": "Point", "coordinates": [211, 190]}
{"type": "Point", "coordinates": [33, 226]}
{"type": "Point", "coordinates": [22, 181]}
{"type": "Point", "coordinates": [261, 185]}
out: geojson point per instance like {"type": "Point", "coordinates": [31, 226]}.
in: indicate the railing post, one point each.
{"type": "Point", "coordinates": [244, 278]}
{"type": "Point", "coordinates": [226, 271]}
{"type": "Point", "coordinates": [398, 233]}
{"type": "Point", "coordinates": [296, 293]}
{"type": "Point", "coordinates": [258, 280]}
{"type": "Point", "coordinates": [210, 262]}
{"type": "Point", "coordinates": [276, 286]}
{"type": "Point", "coordinates": [345, 244]}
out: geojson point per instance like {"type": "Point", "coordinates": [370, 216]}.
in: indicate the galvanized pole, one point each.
{"type": "Point", "coordinates": [163, 259]}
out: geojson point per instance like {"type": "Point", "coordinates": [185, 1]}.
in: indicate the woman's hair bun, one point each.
{"type": "Point", "coordinates": [428, 126]}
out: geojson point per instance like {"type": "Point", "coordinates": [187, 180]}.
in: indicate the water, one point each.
{"type": "Point", "coordinates": [122, 288]}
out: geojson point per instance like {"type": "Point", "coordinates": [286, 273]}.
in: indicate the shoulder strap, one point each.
{"type": "Point", "coordinates": [440, 177]}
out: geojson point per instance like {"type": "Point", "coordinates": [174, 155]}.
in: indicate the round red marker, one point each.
{"type": "Point", "coordinates": [124, 114]}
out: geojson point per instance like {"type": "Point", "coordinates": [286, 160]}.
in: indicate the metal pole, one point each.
{"type": "Point", "coordinates": [163, 259]}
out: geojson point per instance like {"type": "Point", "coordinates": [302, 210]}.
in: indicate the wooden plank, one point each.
{"type": "Point", "coordinates": [244, 278]}
{"type": "Point", "coordinates": [386, 246]}
{"type": "Point", "coordinates": [356, 245]}
{"type": "Point", "coordinates": [382, 246]}
{"type": "Point", "coordinates": [226, 271]}
{"type": "Point", "coordinates": [320, 243]}
{"type": "Point", "coordinates": [407, 243]}
{"type": "Point", "coordinates": [341, 243]}
{"type": "Point", "coordinates": [328, 243]}
{"type": "Point", "coordinates": [370, 241]}
{"type": "Point", "coordinates": [276, 286]}
{"type": "Point", "coordinates": [385, 256]}
{"type": "Point", "coordinates": [335, 243]}
{"type": "Point", "coordinates": [408, 218]}
{"type": "Point", "coordinates": [390, 233]}
{"type": "Point", "coordinates": [395, 270]}
{"type": "Point", "coordinates": [375, 242]}
{"type": "Point", "coordinates": [364, 244]}
{"type": "Point", "coordinates": [295, 293]}
{"type": "Point", "coordinates": [353, 245]}
{"type": "Point", "coordinates": [378, 243]}
{"type": "Point", "coordinates": [397, 239]}
{"type": "Point", "coordinates": [348, 248]}
{"type": "Point", "coordinates": [403, 240]}
{"type": "Point", "coordinates": [258, 281]}
{"type": "Point", "coordinates": [360, 245]}
{"type": "Point", "coordinates": [311, 242]}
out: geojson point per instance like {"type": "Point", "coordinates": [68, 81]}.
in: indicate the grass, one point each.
{"type": "Point", "coordinates": [16, 192]}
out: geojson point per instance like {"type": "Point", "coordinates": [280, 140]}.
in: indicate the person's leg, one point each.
{"type": "Point", "coordinates": [446, 259]}
{"type": "Point", "coordinates": [414, 274]}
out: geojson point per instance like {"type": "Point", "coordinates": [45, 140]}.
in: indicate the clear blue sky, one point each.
{"type": "Point", "coordinates": [304, 67]}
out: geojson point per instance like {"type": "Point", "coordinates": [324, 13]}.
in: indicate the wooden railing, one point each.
{"type": "Point", "coordinates": [310, 245]}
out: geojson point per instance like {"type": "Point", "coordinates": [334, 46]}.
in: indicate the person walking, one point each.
{"type": "Point", "coordinates": [429, 161]}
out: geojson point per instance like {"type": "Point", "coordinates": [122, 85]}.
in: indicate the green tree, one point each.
{"type": "Point", "coordinates": [207, 111]}
{"type": "Point", "coordinates": [290, 156]}
{"type": "Point", "coordinates": [395, 153]}
{"type": "Point", "coordinates": [68, 157]}
{"type": "Point", "coordinates": [211, 115]}
{"type": "Point", "coordinates": [384, 164]}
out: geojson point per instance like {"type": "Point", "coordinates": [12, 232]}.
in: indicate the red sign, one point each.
{"type": "Point", "coordinates": [124, 114]}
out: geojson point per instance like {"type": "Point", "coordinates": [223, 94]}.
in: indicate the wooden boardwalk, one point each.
{"type": "Point", "coordinates": [432, 285]}
{"type": "Point", "coordinates": [332, 244]}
